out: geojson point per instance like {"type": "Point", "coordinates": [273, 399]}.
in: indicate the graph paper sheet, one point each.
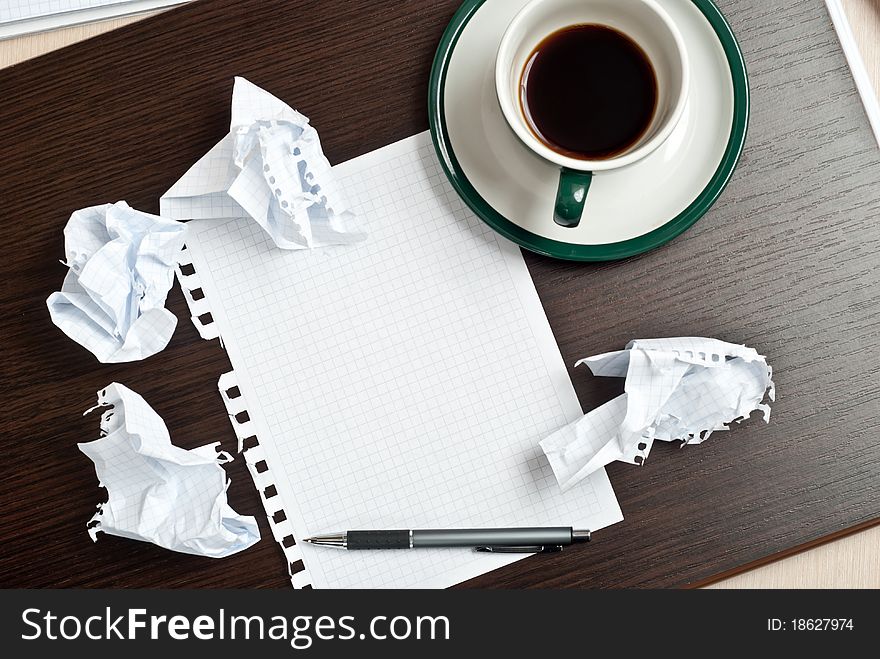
{"type": "Point", "coordinates": [404, 382]}
{"type": "Point", "coordinates": [25, 16]}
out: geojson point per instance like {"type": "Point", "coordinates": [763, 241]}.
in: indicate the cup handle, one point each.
{"type": "Point", "coordinates": [574, 186]}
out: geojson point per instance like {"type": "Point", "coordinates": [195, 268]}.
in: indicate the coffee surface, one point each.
{"type": "Point", "coordinates": [589, 92]}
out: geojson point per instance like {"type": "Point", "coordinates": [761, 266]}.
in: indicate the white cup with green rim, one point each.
{"type": "Point", "coordinates": [645, 23]}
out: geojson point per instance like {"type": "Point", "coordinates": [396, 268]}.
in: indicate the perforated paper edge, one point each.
{"type": "Point", "coordinates": [196, 300]}
{"type": "Point", "coordinates": [261, 473]}
{"type": "Point", "coordinates": [245, 429]}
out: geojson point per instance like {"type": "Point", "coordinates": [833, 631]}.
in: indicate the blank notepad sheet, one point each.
{"type": "Point", "coordinates": [23, 16]}
{"type": "Point", "coordinates": [404, 382]}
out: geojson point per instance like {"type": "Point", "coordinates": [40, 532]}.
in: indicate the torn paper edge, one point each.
{"type": "Point", "coordinates": [200, 308]}
{"type": "Point", "coordinates": [245, 431]}
{"type": "Point", "coordinates": [94, 525]}
{"type": "Point", "coordinates": [261, 472]}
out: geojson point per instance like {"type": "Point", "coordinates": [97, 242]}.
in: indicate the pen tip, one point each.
{"type": "Point", "coordinates": [310, 541]}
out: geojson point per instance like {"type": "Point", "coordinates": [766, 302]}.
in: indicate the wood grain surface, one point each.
{"type": "Point", "coordinates": [864, 17]}
{"type": "Point", "coordinates": [777, 265]}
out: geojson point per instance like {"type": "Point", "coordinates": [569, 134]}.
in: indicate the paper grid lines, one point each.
{"type": "Point", "coordinates": [12, 10]}
{"type": "Point", "coordinates": [23, 16]}
{"type": "Point", "coordinates": [121, 467]}
{"type": "Point", "coordinates": [398, 383]}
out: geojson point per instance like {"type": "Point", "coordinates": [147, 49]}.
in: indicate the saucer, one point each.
{"type": "Point", "coordinates": [630, 210]}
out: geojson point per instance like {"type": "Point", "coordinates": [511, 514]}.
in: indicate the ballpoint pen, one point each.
{"type": "Point", "coordinates": [501, 541]}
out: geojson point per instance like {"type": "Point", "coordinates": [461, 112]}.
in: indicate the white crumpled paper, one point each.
{"type": "Point", "coordinates": [676, 389]}
{"type": "Point", "coordinates": [158, 492]}
{"type": "Point", "coordinates": [122, 266]}
{"type": "Point", "coordinates": [269, 168]}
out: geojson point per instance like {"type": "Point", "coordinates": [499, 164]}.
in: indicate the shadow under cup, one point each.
{"type": "Point", "coordinates": [645, 23]}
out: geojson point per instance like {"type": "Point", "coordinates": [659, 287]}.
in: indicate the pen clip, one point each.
{"type": "Point", "coordinates": [537, 549]}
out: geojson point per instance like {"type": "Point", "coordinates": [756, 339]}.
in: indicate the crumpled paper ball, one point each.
{"type": "Point", "coordinates": [122, 266]}
{"type": "Point", "coordinates": [158, 492]}
{"type": "Point", "coordinates": [681, 389]}
{"type": "Point", "coordinates": [270, 169]}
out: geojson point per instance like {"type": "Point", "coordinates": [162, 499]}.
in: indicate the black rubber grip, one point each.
{"type": "Point", "coordinates": [378, 539]}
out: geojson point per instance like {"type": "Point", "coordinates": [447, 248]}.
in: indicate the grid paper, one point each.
{"type": "Point", "coordinates": [126, 469]}
{"type": "Point", "coordinates": [159, 492]}
{"type": "Point", "coordinates": [676, 389]}
{"type": "Point", "coordinates": [24, 16]}
{"type": "Point", "coordinates": [400, 383]}
{"type": "Point", "coordinates": [269, 167]}
{"type": "Point", "coordinates": [122, 264]}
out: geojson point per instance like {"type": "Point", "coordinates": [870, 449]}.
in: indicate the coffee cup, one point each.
{"type": "Point", "coordinates": [591, 86]}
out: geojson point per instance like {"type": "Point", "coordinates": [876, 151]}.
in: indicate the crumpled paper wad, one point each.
{"type": "Point", "coordinates": [122, 266]}
{"type": "Point", "coordinates": [269, 168]}
{"type": "Point", "coordinates": [160, 493]}
{"type": "Point", "coordinates": [676, 389]}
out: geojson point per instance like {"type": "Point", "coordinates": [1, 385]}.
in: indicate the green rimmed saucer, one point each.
{"type": "Point", "coordinates": [630, 211]}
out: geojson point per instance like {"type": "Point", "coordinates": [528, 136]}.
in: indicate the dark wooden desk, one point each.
{"type": "Point", "coordinates": [788, 262]}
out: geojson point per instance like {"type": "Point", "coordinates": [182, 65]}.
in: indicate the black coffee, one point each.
{"type": "Point", "coordinates": [589, 92]}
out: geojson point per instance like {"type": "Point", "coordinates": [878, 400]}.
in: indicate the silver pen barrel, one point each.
{"type": "Point", "coordinates": [526, 537]}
